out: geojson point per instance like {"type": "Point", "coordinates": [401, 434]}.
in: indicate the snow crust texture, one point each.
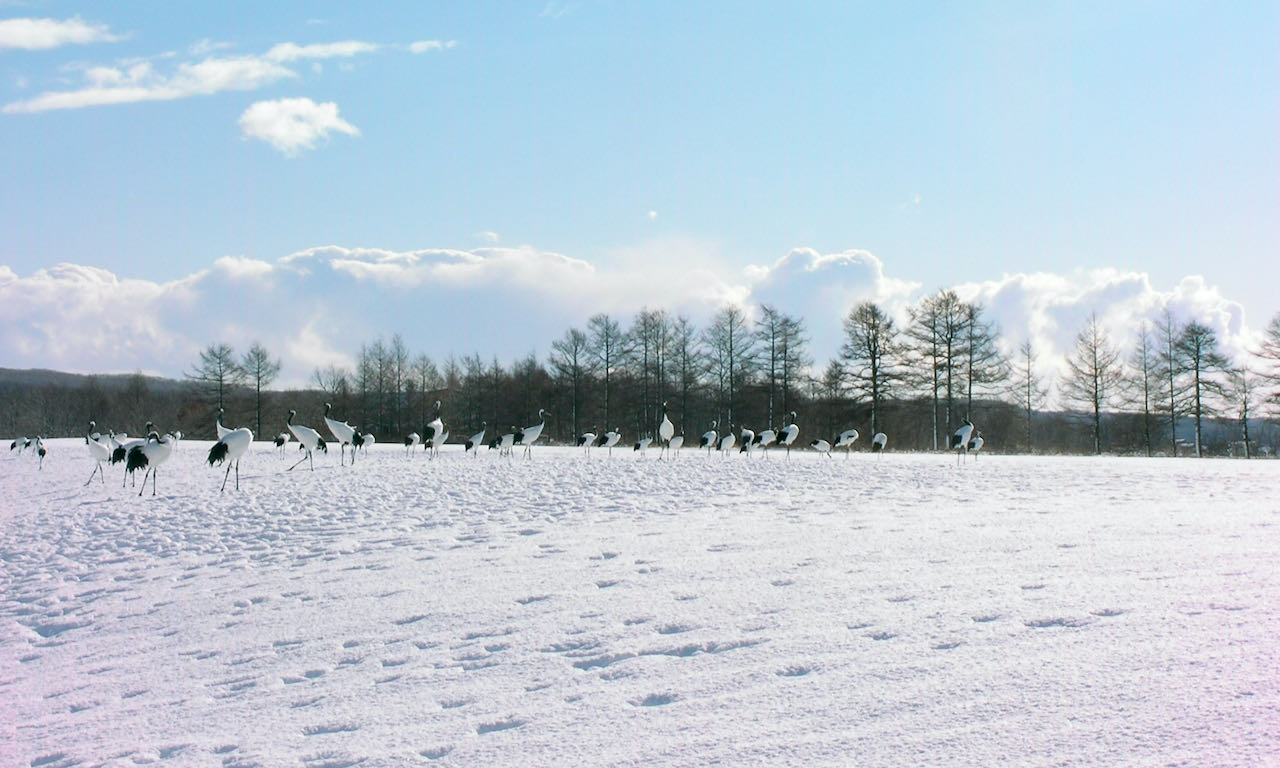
{"type": "Point", "coordinates": [894, 610]}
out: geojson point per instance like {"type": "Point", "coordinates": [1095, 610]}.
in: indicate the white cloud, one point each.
{"type": "Point", "coordinates": [285, 52]}
{"type": "Point", "coordinates": [315, 307]}
{"type": "Point", "coordinates": [424, 46]}
{"type": "Point", "coordinates": [140, 81]}
{"type": "Point", "coordinates": [652, 215]}
{"type": "Point", "coordinates": [489, 237]}
{"type": "Point", "coordinates": [42, 34]}
{"type": "Point", "coordinates": [292, 125]}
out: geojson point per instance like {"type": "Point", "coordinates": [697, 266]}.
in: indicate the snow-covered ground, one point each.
{"type": "Point", "coordinates": [894, 610]}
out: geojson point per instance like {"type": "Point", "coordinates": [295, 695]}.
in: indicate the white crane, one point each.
{"type": "Point", "coordinates": [675, 445]}
{"type": "Point", "coordinates": [821, 446]}
{"type": "Point", "coordinates": [708, 439]}
{"type": "Point", "coordinates": [666, 431]}
{"type": "Point", "coordinates": [975, 444]}
{"type": "Point", "coordinates": [229, 448]}
{"type": "Point", "coordinates": [476, 440]}
{"type": "Point", "coordinates": [504, 442]}
{"type": "Point", "coordinates": [878, 441]}
{"type": "Point", "coordinates": [308, 439]}
{"type": "Point", "coordinates": [642, 445]}
{"type": "Point", "coordinates": [587, 440]}
{"type": "Point", "coordinates": [39, 449]}
{"type": "Point", "coordinates": [789, 434]}
{"type": "Point", "coordinates": [748, 438]}
{"type": "Point", "coordinates": [609, 439]}
{"type": "Point", "coordinates": [725, 445]}
{"type": "Point", "coordinates": [766, 438]}
{"type": "Point", "coordinates": [411, 442]}
{"type": "Point", "coordinates": [20, 444]}
{"type": "Point", "coordinates": [281, 440]}
{"type": "Point", "coordinates": [150, 455]}
{"type": "Point", "coordinates": [845, 440]}
{"type": "Point", "coordinates": [99, 452]}
{"type": "Point", "coordinates": [120, 445]}
{"type": "Point", "coordinates": [960, 440]}
{"type": "Point", "coordinates": [344, 433]}
{"type": "Point", "coordinates": [433, 433]}
{"type": "Point", "coordinates": [529, 435]}
{"type": "Point", "coordinates": [363, 440]}
{"type": "Point", "coordinates": [222, 431]}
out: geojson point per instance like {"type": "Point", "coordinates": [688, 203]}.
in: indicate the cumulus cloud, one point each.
{"type": "Point", "coordinates": [292, 125]}
{"type": "Point", "coordinates": [316, 307]}
{"type": "Point", "coordinates": [42, 34]}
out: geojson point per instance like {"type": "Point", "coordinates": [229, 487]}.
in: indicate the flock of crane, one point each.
{"type": "Point", "coordinates": [150, 452]}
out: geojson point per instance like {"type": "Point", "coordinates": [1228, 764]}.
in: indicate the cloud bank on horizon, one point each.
{"type": "Point", "coordinates": [316, 307]}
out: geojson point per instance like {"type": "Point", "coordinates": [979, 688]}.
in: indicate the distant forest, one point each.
{"type": "Point", "coordinates": [1175, 393]}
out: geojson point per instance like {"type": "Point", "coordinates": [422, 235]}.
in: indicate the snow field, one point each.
{"type": "Point", "coordinates": [876, 610]}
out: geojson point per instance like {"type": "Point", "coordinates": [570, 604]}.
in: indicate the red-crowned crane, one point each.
{"type": "Point", "coordinates": [748, 439]}
{"type": "Point", "coordinates": [433, 433]}
{"type": "Point", "coordinates": [308, 439]}
{"type": "Point", "coordinates": [344, 433]}
{"type": "Point", "coordinates": [229, 448]}
{"type": "Point", "coordinates": [281, 440]}
{"type": "Point", "coordinates": [789, 434]}
{"type": "Point", "coordinates": [975, 444]}
{"type": "Point", "coordinates": [960, 440]}
{"type": "Point", "coordinates": [410, 442]}
{"type": "Point", "coordinates": [725, 444]}
{"type": "Point", "coordinates": [587, 440]}
{"type": "Point", "coordinates": [821, 446]}
{"type": "Point", "coordinates": [150, 455]}
{"type": "Point", "coordinates": [476, 440]}
{"type": "Point", "coordinates": [666, 431]}
{"type": "Point", "coordinates": [878, 441]}
{"type": "Point", "coordinates": [609, 439]}
{"type": "Point", "coordinates": [766, 438]}
{"type": "Point", "coordinates": [708, 439]}
{"type": "Point", "coordinates": [845, 440]}
{"type": "Point", "coordinates": [222, 431]}
{"type": "Point", "coordinates": [529, 435]}
{"type": "Point", "coordinates": [99, 452]}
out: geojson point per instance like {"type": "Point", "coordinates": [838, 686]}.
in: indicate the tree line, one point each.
{"type": "Point", "coordinates": [1176, 392]}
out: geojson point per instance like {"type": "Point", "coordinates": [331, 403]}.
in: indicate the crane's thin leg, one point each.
{"type": "Point", "coordinates": [304, 458]}
{"type": "Point", "coordinates": [224, 479]}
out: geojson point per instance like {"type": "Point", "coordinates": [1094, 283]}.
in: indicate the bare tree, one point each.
{"type": "Point", "coordinates": [869, 356]}
{"type": "Point", "coordinates": [1240, 393]}
{"type": "Point", "coordinates": [981, 361]}
{"type": "Point", "coordinates": [217, 373]}
{"type": "Point", "coordinates": [1198, 352]}
{"type": "Point", "coordinates": [1269, 356]}
{"type": "Point", "coordinates": [1029, 388]}
{"type": "Point", "coordinates": [571, 362]}
{"type": "Point", "coordinates": [1094, 374]}
{"type": "Point", "coordinates": [1143, 383]}
{"type": "Point", "coordinates": [608, 347]}
{"type": "Point", "coordinates": [1172, 389]}
{"type": "Point", "coordinates": [730, 350]}
{"type": "Point", "coordinates": [260, 370]}
{"type": "Point", "coordinates": [937, 334]}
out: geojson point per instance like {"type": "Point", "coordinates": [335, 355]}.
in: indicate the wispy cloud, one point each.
{"type": "Point", "coordinates": [140, 82]}
{"type": "Point", "coordinates": [285, 52]}
{"type": "Point", "coordinates": [292, 125]}
{"type": "Point", "coordinates": [42, 34]}
{"type": "Point", "coordinates": [424, 46]}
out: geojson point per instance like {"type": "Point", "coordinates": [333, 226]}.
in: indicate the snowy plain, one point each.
{"type": "Point", "coordinates": [893, 610]}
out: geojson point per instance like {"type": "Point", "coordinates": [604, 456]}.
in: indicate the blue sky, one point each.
{"type": "Point", "coordinates": [890, 149]}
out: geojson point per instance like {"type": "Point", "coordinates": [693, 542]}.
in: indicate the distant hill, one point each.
{"type": "Point", "coordinates": [109, 382]}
